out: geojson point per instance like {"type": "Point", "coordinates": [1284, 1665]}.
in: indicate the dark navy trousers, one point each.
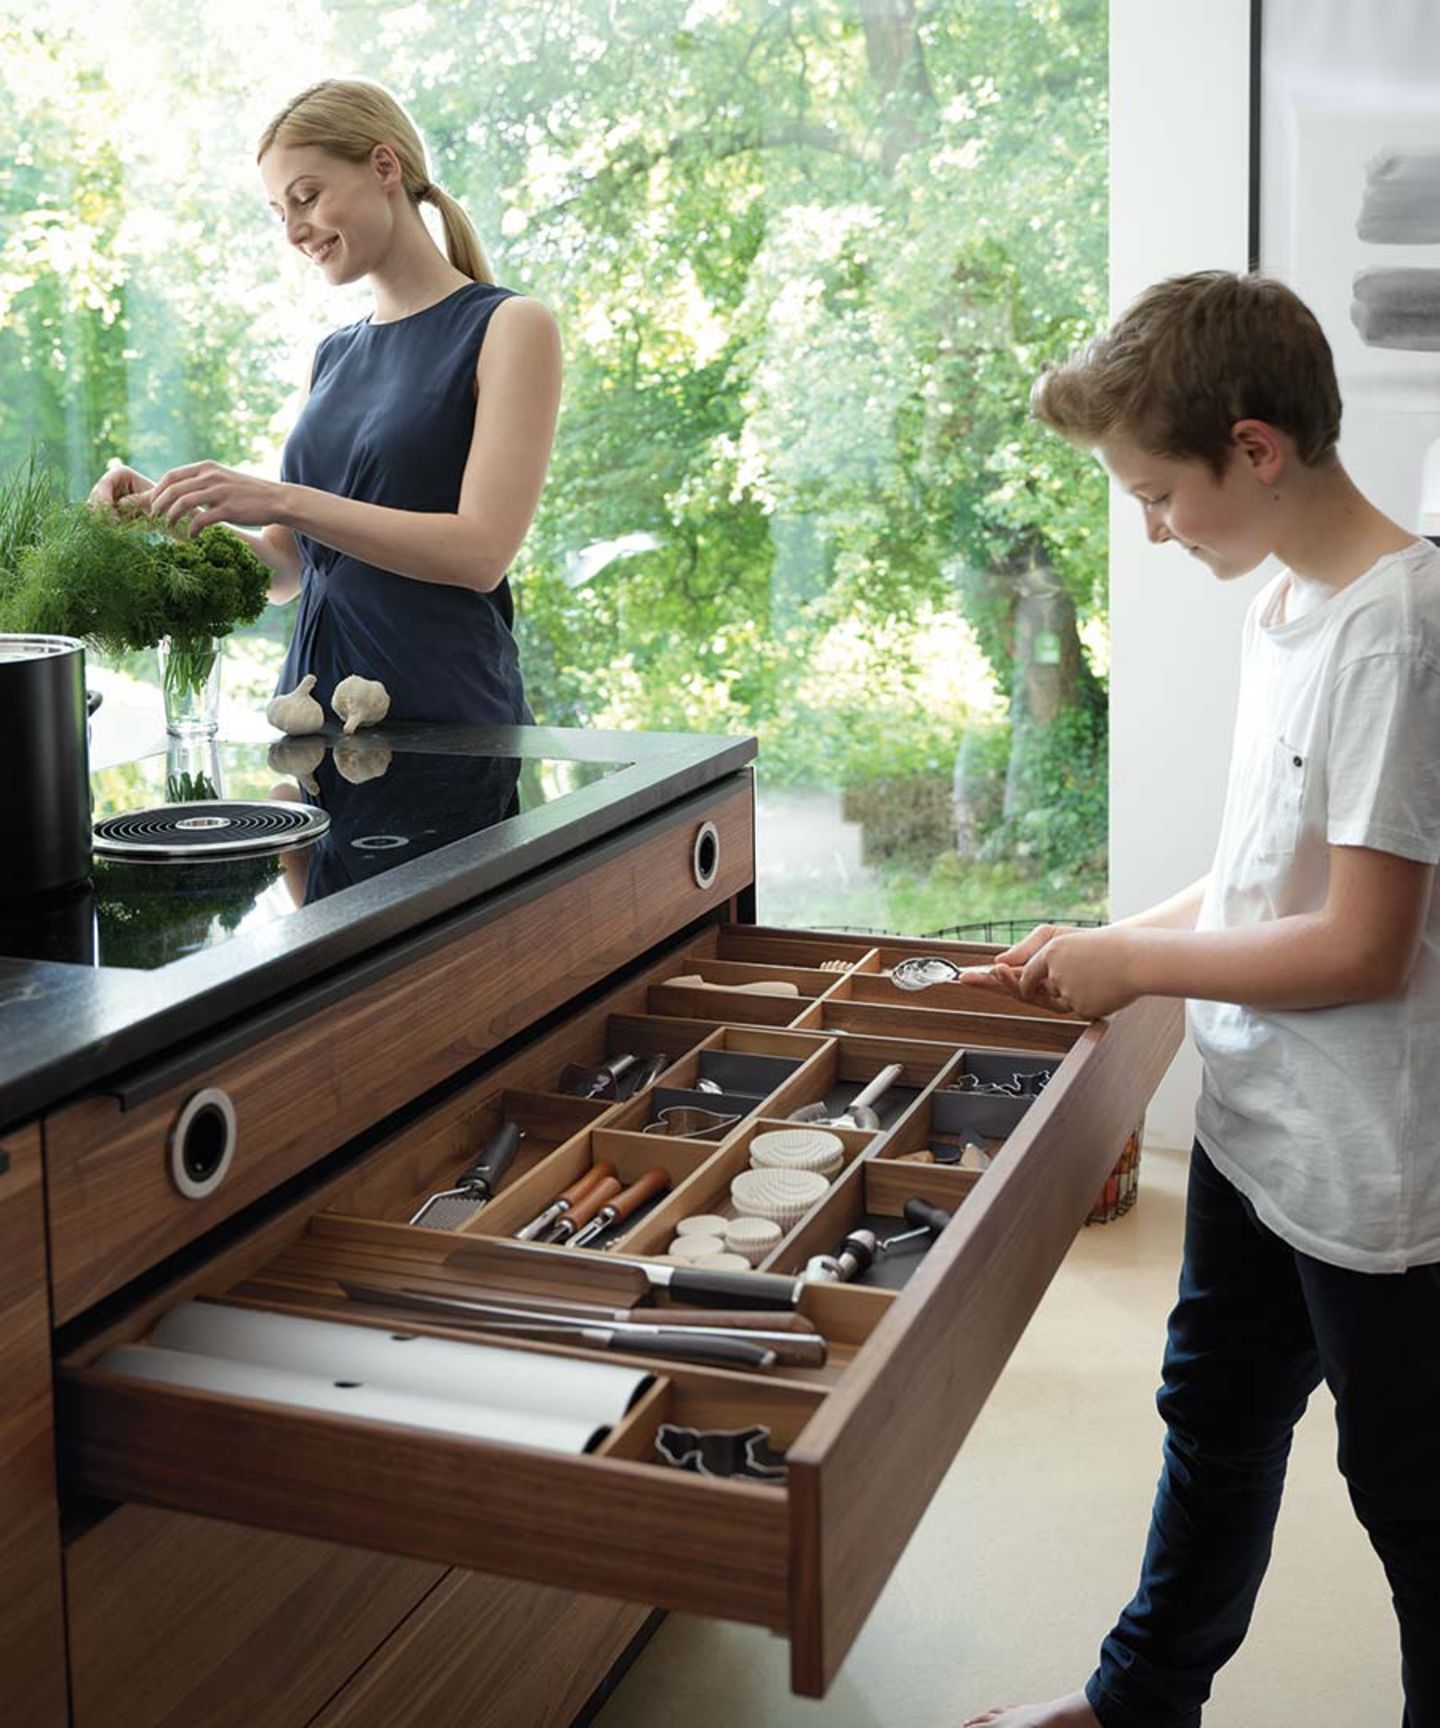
{"type": "Point", "coordinates": [1256, 1327]}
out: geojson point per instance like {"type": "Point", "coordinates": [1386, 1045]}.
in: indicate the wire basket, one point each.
{"type": "Point", "coordinates": [1122, 1185]}
{"type": "Point", "coordinates": [1006, 930]}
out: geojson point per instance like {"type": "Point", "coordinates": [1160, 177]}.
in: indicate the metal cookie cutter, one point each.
{"type": "Point", "coordinates": [721, 1451]}
{"type": "Point", "coordinates": [689, 1122]}
{"type": "Point", "coordinates": [1017, 1086]}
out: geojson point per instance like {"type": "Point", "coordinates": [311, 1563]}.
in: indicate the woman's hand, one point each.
{"type": "Point", "coordinates": [1084, 972]}
{"type": "Point", "coordinates": [206, 493]}
{"type": "Point", "coordinates": [119, 489]}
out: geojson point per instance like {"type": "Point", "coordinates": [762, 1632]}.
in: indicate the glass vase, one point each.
{"type": "Point", "coordinates": [192, 770]}
{"type": "Point", "coordinates": [190, 678]}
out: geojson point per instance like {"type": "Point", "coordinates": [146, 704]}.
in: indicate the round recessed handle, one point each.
{"type": "Point", "coordinates": [705, 856]}
{"type": "Point", "coordinates": [202, 1142]}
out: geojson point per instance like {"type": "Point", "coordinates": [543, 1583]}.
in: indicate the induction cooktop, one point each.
{"type": "Point", "coordinates": [386, 806]}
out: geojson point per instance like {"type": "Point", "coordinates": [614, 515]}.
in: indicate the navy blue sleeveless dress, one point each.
{"type": "Point", "coordinates": [389, 420]}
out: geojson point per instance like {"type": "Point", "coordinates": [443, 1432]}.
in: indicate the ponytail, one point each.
{"type": "Point", "coordinates": [462, 243]}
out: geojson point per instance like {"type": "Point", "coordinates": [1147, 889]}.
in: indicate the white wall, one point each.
{"type": "Point", "coordinates": [1179, 175]}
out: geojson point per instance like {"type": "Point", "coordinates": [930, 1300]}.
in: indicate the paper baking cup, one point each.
{"type": "Point", "coordinates": [752, 1237]}
{"type": "Point", "coordinates": [696, 1247]}
{"type": "Point", "coordinates": [702, 1224]}
{"type": "Point", "coordinates": [722, 1263]}
{"type": "Point", "coordinates": [798, 1149]}
{"type": "Point", "coordinates": [782, 1195]}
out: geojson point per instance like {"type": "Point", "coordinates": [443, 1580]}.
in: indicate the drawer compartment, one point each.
{"type": "Point", "coordinates": [866, 1436]}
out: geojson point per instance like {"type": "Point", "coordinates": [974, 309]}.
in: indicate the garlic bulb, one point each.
{"type": "Point", "coordinates": [360, 701]}
{"type": "Point", "coordinates": [298, 712]}
{"type": "Point", "coordinates": [299, 758]}
{"type": "Point", "coordinates": [361, 762]}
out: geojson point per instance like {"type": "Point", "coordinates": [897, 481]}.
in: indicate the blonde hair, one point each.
{"type": "Point", "coordinates": [1189, 358]}
{"type": "Point", "coordinates": [349, 117]}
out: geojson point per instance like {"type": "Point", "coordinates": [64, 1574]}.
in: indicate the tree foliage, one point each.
{"type": "Point", "coordinates": [807, 257]}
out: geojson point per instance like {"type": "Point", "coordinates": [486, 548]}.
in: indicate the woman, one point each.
{"type": "Point", "coordinates": [413, 472]}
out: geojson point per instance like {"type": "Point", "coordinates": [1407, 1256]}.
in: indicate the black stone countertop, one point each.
{"type": "Point", "coordinates": [67, 1029]}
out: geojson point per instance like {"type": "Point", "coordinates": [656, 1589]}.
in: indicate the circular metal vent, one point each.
{"type": "Point", "coordinates": [208, 827]}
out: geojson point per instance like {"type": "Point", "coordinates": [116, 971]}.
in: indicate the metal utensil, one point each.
{"type": "Point", "coordinates": [578, 1080]}
{"type": "Point", "coordinates": [920, 971]}
{"type": "Point", "coordinates": [645, 1072]}
{"type": "Point", "coordinates": [541, 1222]}
{"type": "Point", "coordinates": [576, 1307]}
{"type": "Point", "coordinates": [625, 1205]}
{"type": "Point", "coordinates": [862, 1248]}
{"type": "Point", "coordinates": [584, 1209]}
{"type": "Point", "coordinates": [452, 1207]}
{"type": "Point", "coordinates": [803, 1349]}
{"type": "Point", "coordinates": [858, 1112]}
{"type": "Point", "coordinates": [689, 1122]}
{"type": "Point", "coordinates": [701, 1287]}
{"type": "Point", "coordinates": [738, 1352]}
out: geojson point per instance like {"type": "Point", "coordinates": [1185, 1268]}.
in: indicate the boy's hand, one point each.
{"type": "Point", "coordinates": [1023, 952]}
{"type": "Point", "coordinates": [1084, 972]}
{"type": "Point", "coordinates": [1003, 974]}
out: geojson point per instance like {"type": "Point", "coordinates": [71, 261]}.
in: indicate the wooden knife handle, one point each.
{"type": "Point", "coordinates": [759, 1320]}
{"type": "Point", "coordinates": [644, 1188]}
{"type": "Point", "coordinates": [582, 1185]}
{"type": "Point", "coordinates": [584, 1209]}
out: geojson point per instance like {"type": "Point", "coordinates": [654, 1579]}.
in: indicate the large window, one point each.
{"type": "Point", "coordinates": [806, 258]}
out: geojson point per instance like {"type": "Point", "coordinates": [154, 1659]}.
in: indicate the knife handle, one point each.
{"type": "Point", "coordinates": [722, 1352]}
{"type": "Point", "coordinates": [737, 1319]}
{"type": "Point", "coordinates": [733, 1289]}
{"type": "Point", "coordinates": [646, 1187]}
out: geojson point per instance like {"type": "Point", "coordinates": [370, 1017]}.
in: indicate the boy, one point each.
{"type": "Point", "coordinates": [1311, 958]}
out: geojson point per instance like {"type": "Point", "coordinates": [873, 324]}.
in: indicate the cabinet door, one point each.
{"type": "Point", "coordinates": [32, 1653]}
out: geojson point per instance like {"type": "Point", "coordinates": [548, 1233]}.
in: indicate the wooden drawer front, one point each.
{"type": "Point", "coordinates": [32, 1655]}
{"type": "Point", "coordinates": [114, 1208]}
{"type": "Point", "coordinates": [182, 1622]}
{"type": "Point", "coordinates": [868, 1435]}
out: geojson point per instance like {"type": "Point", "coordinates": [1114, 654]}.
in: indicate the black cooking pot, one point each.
{"type": "Point", "coordinates": [45, 781]}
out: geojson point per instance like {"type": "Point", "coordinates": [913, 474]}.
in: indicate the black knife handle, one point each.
{"type": "Point", "coordinates": [680, 1345]}
{"type": "Point", "coordinates": [734, 1289]}
{"type": "Point", "coordinates": [924, 1216]}
{"type": "Point", "coordinates": [488, 1171]}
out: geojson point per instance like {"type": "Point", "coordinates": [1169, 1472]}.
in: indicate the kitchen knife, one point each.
{"type": "Point", "coordinates": [647, 1341]}
{"type": "Point", "coordinates": [693, 1284]}
{"type": "Point", "coordinates": [801, 1349]}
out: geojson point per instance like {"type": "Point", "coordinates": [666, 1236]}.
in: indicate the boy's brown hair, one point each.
{"type": "Point", "coordinates": [1189, 358]}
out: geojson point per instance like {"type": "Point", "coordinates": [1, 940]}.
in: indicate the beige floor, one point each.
{"type": "Point", "coordinates": [1034, 1538]}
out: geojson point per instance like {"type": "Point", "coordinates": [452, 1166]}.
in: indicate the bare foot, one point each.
{"type": "Point", "coordinates": [1071, 1712]}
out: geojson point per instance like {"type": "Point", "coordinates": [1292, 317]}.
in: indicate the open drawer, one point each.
{"type": "Point", "coordinates": [866, 1437]}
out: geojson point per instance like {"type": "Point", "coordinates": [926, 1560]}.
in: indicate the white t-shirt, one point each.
{"type": "Point", "coordinates": [1328, 1119]}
